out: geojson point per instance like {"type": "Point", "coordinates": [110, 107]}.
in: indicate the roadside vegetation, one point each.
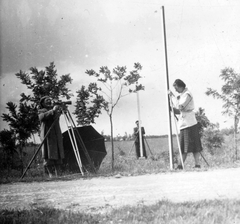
{"type": "Point", "coordinates": [214, 212]}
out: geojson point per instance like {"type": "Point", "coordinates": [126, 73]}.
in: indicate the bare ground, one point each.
{"type": "Point", "coordinates": [105, 193]}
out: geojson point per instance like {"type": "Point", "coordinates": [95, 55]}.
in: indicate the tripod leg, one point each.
{"type": "Point", "coordinates": [76, 148]}
{"type": "Point", "coordinates": [74, 144]}
{"type": "Point", "coordinates": [131, 148]}
{"type": "Point", "coordinates": [147, 145]}
{"type": "Point", "coordinates": [82, 143]}
{"type": "Point", "coordinates": [204, 159]}
{"type": "Point", "coordinates": [45, 137]}
{"type": "Point", "coordinates": [178, 142]}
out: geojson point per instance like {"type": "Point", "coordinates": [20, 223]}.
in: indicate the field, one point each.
{"type": "Point", "coordinates": [126, 163]}
{"type": "Point", "coordinates": [158, 157]}
{"type": "Point", "coordinates": [224, 211]}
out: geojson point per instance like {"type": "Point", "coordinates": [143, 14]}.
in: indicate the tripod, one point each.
{"type": "Point", "coordinates": [74, 138]}
{"type": "Point", "coordinates": [134, 143]}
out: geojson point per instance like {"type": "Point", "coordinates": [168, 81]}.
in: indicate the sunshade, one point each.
{"type": "Point", "coordinates": [94, 143]}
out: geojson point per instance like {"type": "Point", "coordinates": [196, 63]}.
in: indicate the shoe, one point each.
{"type": "Point", "coordinates": [197, 166]}
{"type": "Point", "coordinates": [179, 167]}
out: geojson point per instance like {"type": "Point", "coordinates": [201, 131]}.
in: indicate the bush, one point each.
{"type": "Point", "coordinates": [212, 138]}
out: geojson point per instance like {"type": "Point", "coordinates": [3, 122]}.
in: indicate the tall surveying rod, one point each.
{"type": "Point", "coordinates": [168, 100]}
{"type": "Point", "coordinates": [139, 127]}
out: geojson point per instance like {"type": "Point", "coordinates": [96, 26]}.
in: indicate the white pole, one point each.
{"type": "Point", "coordinates": [139, 126]}
{"type": "Point", "coordinates": [168, 101]}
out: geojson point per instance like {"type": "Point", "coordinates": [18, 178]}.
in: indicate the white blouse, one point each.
{"type": "Point", "coordinates": [185, 104]}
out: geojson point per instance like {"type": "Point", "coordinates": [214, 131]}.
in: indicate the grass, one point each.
{"type": "Point", "coordinates": [214, 212]}
{"type": "Point", "coordinates": [126, 163]}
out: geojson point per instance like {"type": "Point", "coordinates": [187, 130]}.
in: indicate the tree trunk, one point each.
{"type": "Point", "coordinates": [21, 155]}
{"type": "Point", "coordinates": [110, 116]}
{"type": "Point", "coordinates": [235, 135]}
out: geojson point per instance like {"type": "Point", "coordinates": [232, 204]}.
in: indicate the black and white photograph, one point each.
{"type": "Point", "coordinates": [120, 111]}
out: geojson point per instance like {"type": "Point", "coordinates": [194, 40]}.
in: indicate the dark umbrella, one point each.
{"type": "Point", "coordinates": [94, 143]}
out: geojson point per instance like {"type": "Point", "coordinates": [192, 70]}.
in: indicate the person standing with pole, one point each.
{"type": "Point", "coordinates": [139, 137]}
{"type": "Point", "coordinates": [189, 133]}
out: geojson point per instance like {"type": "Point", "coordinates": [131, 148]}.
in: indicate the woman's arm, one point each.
{"type": "Point", "coordinates": [184, 101]}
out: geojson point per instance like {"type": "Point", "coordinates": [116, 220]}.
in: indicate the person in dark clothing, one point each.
{"type": "Point", "coordinates": [137, 140]}
{"type": "Point", "coordinates": [52, 149]}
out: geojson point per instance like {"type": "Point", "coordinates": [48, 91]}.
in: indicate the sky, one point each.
{"type": "Point", "coordinates": [202, 39]}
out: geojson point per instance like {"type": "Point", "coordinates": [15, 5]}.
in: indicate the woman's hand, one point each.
{"type": "Point", "coordinates": [176, 111]}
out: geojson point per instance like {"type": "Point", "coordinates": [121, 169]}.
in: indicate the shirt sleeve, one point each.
{"type": "Point", "coordinates": [184, 101]}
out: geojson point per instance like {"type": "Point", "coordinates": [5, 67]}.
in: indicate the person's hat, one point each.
{"type": "Point", "coordinates": [42, 100]}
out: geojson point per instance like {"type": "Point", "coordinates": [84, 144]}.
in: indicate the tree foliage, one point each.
{"type": "Point", "coordinates": [230, 92]}
{"type": "Point", "coordinates": [23, 118]}
{"type": "Point", "coordinates": [105, 94]}
{"type": "Point", "coordinates": [7, 139]}
{"type": "Point", "coordinates": [230, 95]}
{"type": "Point", "coordinates": [211, 136]}
{"type": "Point", "coordinates": [202, 119]}
{"type": "Point", "coordinates": [43, 83]}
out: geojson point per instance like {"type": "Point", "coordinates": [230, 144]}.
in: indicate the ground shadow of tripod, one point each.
{"type": "Point", "coordinates": [75, 138]}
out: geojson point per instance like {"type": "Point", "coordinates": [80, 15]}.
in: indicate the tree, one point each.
{"type": "Point", "coordinates": [23, 122]}
{"type": "Point", "coordinates": [105, 94]}
{"type": "Point", "coordinates": [24, 119]}
{"type": "Point", "coordinates": [212, 137]}
{"type": "Point", "coordinates": [43, 83]}
{"type": "Point", "coordinates": [7, 139]}
{"type": "Point", "coordinates": [230, 95]}
{"type": "Point", "coordinates": [202, 119]}
{"type": "Point", "coordinates": [210, 134]}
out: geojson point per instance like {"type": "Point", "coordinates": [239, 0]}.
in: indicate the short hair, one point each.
{"type": "Point", "coordinates": [179, 83]}
{"type": "Point", "coordinates": [42, 101]}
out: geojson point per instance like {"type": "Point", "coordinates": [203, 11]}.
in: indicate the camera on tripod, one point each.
{"type": "Point", "coordinates": [62, 104]}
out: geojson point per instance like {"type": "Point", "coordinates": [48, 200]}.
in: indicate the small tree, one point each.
{"type": "Point", "coordinates": [230, 95]}
{"type": "Point", "coordinates": [202, 119]}
{"type": "Point", "coordinates": [106, 94]}
{"type": "Point", "coordinates": [213, 138]}
{"type": "Point", "coordinates": [8, 140]}
{"type": "Point", "coordinates": [210, 134]}
{"type": "Point", "coordinates": [24, 119]}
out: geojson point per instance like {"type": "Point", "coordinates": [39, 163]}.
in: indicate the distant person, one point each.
{"type": "Point", "coordinates": [137, 140]}
{"type": "Point", "coordinates": [52, 149]}
{"type": "Point", "coordinates": [189, 132]}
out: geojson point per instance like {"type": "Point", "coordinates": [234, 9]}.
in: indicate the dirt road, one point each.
{"type": "Point", "coordinates": [103, 194]}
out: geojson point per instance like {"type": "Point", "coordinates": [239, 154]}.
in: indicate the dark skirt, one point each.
{"type": "Point", "coordinates": [190, 139]}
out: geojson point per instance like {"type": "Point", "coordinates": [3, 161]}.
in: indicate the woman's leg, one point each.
{"type": "Point", "coordinates": [196, 156]}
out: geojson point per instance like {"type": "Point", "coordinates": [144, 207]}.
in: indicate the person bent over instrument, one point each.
{"type": "Point", "coordinates": [52, 149]}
